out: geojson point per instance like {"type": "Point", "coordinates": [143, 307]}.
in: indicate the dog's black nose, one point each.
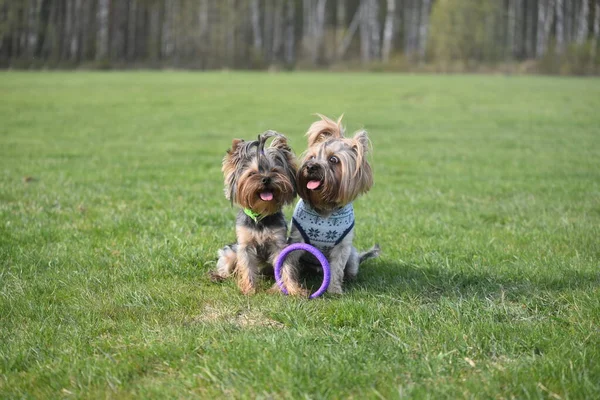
{"type": "Point", "coordinates": [265, 180]}
{"type": "Point", "coordinates": [311, 167]}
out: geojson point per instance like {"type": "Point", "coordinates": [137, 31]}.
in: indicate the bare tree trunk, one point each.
{"type": "Point", "coordinates": [21, 22]}
{"type": "Point", "coordinates": [82, 27]}
{"type": "Point", "coordinates": [154, 27]}
{"type": "Point", "coordinates": [131, 30]}
{"type": "Point", "coordinates": [570, 15]}
{"type": "Point", "coordinates": [179, 30]}
{"type": "Point", "coordinates": [375, 30]}
{"type": "Point", "coordinates": [545, 17]}
{"type": "Point", "coordinates": [520, 37]}
{"type": "Point", "coordinates": [76, 30]}
{"type": "Point", "coordinates": [62, 31]}
{"type": "Point", "coordinates": [364, 29]}
{"type": "Point", "coordinates": [4, 52]}
{"type": "Point", "coordinates": [188, 16]}
{"type": "Point", "coordinates": [515, 29]}
{"type": "Point", "coordinates": [549, 20]}
{"type": "Point", "coordinates": [72, 42]}
{"type": "Point", "coordinates": [343, 47]}
{"type": "Point", "coordinates": [560, 27]}
{"type": "Point", "coordinates": [370, 35]}
{"type": "Point", "coordinates": [203, 31]}
{"type": "Point", "coordinates": [340, 22]}
{"type": "Point", "coordinates": [167, 45]}
{"type": "Point", "coordinates": [87, 27]}
{"type": "Point", "coordinates": [307, 21]}
{"type": "Point", "coordinates": [411, 27]}
{"type": "Point", "coordinates": [44, 14]}
{"type": "Point", "coordinates": [596, 29]}
{"type": "Point", "coordinates": [278, 23]}
{"type": "Point", "coordinates": [51, 43]}
{"type": "Point", "coordinates": [268, 30]}
{"type": "Point", "coordinates": [118, 36]}
{"type": "Point", "coordinates": [290, 34]}
{"type": "Point", "coordinates": [582, 23]}
{"type": "Point", "coordinates": [318, 31]}
{"type": "Point", "coordinates": [424, 28]}
{"type": "Point", "coordinates": [414, 26]}
{"type": "Point", "coordinates": [530, 20]}
{"type": "Point", "coordinates": [256, 31]}
{"type": "Point", "coordinates": [67, 26]}
{"type": "Point", "coordinates": [230, 33]}
{"type": "Point", "coordinates": [540, 47]}
{"type": "Point", "coordinates": [102, 18]}
{"type": "Point", "coordinates": [388, 30]}
{"type": "Point", "coordinates": [33, 27]}
{"type": "Point", "coordinates": [511, 29]}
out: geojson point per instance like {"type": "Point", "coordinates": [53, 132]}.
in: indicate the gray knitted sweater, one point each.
{"type": "Point", "coordinates": [323, 233]}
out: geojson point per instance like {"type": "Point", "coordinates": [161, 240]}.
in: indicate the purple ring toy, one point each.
{"type": "Point", "coordinates": [312, 250]}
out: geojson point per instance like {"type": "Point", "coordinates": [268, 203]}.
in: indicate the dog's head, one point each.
{"type": "Point", "coordinates": [334, 169]}
{"type": "Point", "coordinates": [258, 178]}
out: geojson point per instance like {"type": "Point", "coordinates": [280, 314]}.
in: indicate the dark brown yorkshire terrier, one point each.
{"type": "Point", "coordinates": [333, 173]}
{"type": "Point", "coordinates": [261, 181]}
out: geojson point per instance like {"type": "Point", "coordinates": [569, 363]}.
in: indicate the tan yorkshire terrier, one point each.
{"type": "Point", "coordinates": [333, 173]}
{"type": "Point", "coordinates": [260, 181]}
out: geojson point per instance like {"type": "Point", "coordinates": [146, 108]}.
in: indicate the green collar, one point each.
{"type": "Point", "coordinates": [255, 216]}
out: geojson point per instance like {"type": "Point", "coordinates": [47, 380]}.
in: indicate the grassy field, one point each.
{"type": "Point", "coordinates": [486, 205]}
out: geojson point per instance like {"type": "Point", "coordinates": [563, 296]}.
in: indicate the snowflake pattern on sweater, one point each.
{"type": "Point", "coordinates": [323, 233]}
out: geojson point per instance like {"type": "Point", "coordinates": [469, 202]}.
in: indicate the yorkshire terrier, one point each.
{"type": "Point", "coordinates": [333, 173]}
{"type": "Point", "coordinates": [260, 181]}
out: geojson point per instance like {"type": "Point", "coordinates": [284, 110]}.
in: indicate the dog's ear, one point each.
{"type": "Point", "coordinates": [234, 145]}
{"type": "Point", "coordinates": [363, 173]}
{"type": "Point", "coordinates": [233, 155]}
{"type": "Point", "coordinates": [362, 176]}
{"type": "Point", "coordinates": [230, 164]}
{"type": "Point", "coordinates": [361, 143]}
{"type": "Point", "coordinates": [280, 142]}
{"type": "Point", "coordinates": [324, 129]}
{"type": "Point", "coordinates": [287, 158]}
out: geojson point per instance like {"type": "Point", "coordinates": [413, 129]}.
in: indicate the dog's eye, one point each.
{"type": "Point", "coordinates": [334, 160]}
{"type": "Point", "coordinates": [312, 157]}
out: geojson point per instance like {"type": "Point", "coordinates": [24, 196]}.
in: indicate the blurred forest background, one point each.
{"type": "Point", "coordinates": [522, 36]}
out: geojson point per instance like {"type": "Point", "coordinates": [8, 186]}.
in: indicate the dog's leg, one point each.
{"type": "Point", "coordinates": [290, 271]}
{"type": "Point", "coordinates": [338, 259]}
{"type": "Point", "coordinates": [247, 269]}
{"type": "Point", "coordinates": [226, 263]}
{"type": "Point", "coordinates": [289, 274]}
{"type": "Point", "coordinates": [352, 265]}
{"type": "Point", "coordinates": [357, 258]}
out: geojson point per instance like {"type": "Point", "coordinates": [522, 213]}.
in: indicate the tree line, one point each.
{"type": "Point", "coordinates": [255, 34]}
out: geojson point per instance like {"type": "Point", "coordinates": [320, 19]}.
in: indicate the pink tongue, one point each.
{"type": "Point", "coordinates": [312, 185]}
{"type": "Point", "coordinates": [266, 196]}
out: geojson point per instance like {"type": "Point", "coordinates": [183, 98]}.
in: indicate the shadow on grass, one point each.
{"type": "Point", "coordinates": [433, 282]}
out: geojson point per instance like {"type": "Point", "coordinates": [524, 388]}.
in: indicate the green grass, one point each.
{"type": "Point", "coordinates": [486, 205]}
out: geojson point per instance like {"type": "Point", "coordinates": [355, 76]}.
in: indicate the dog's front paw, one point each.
{"type": "Point", "coordinates": [292, 291]}
{"type": "Point", "coordinates": [349, 276]}
{"type": "Point", "coordinates": [246, 287]}
{"type": "Point", "coordinates": [299, 291]}
{"type": "Point", "coordinates": [274, 289]}
{"type": "Point", "coordinates": [335, 289]}
{"type": "Point", "coordinates": [248, 291]}
{"type": "Point", "coordinates": [215, 277]}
